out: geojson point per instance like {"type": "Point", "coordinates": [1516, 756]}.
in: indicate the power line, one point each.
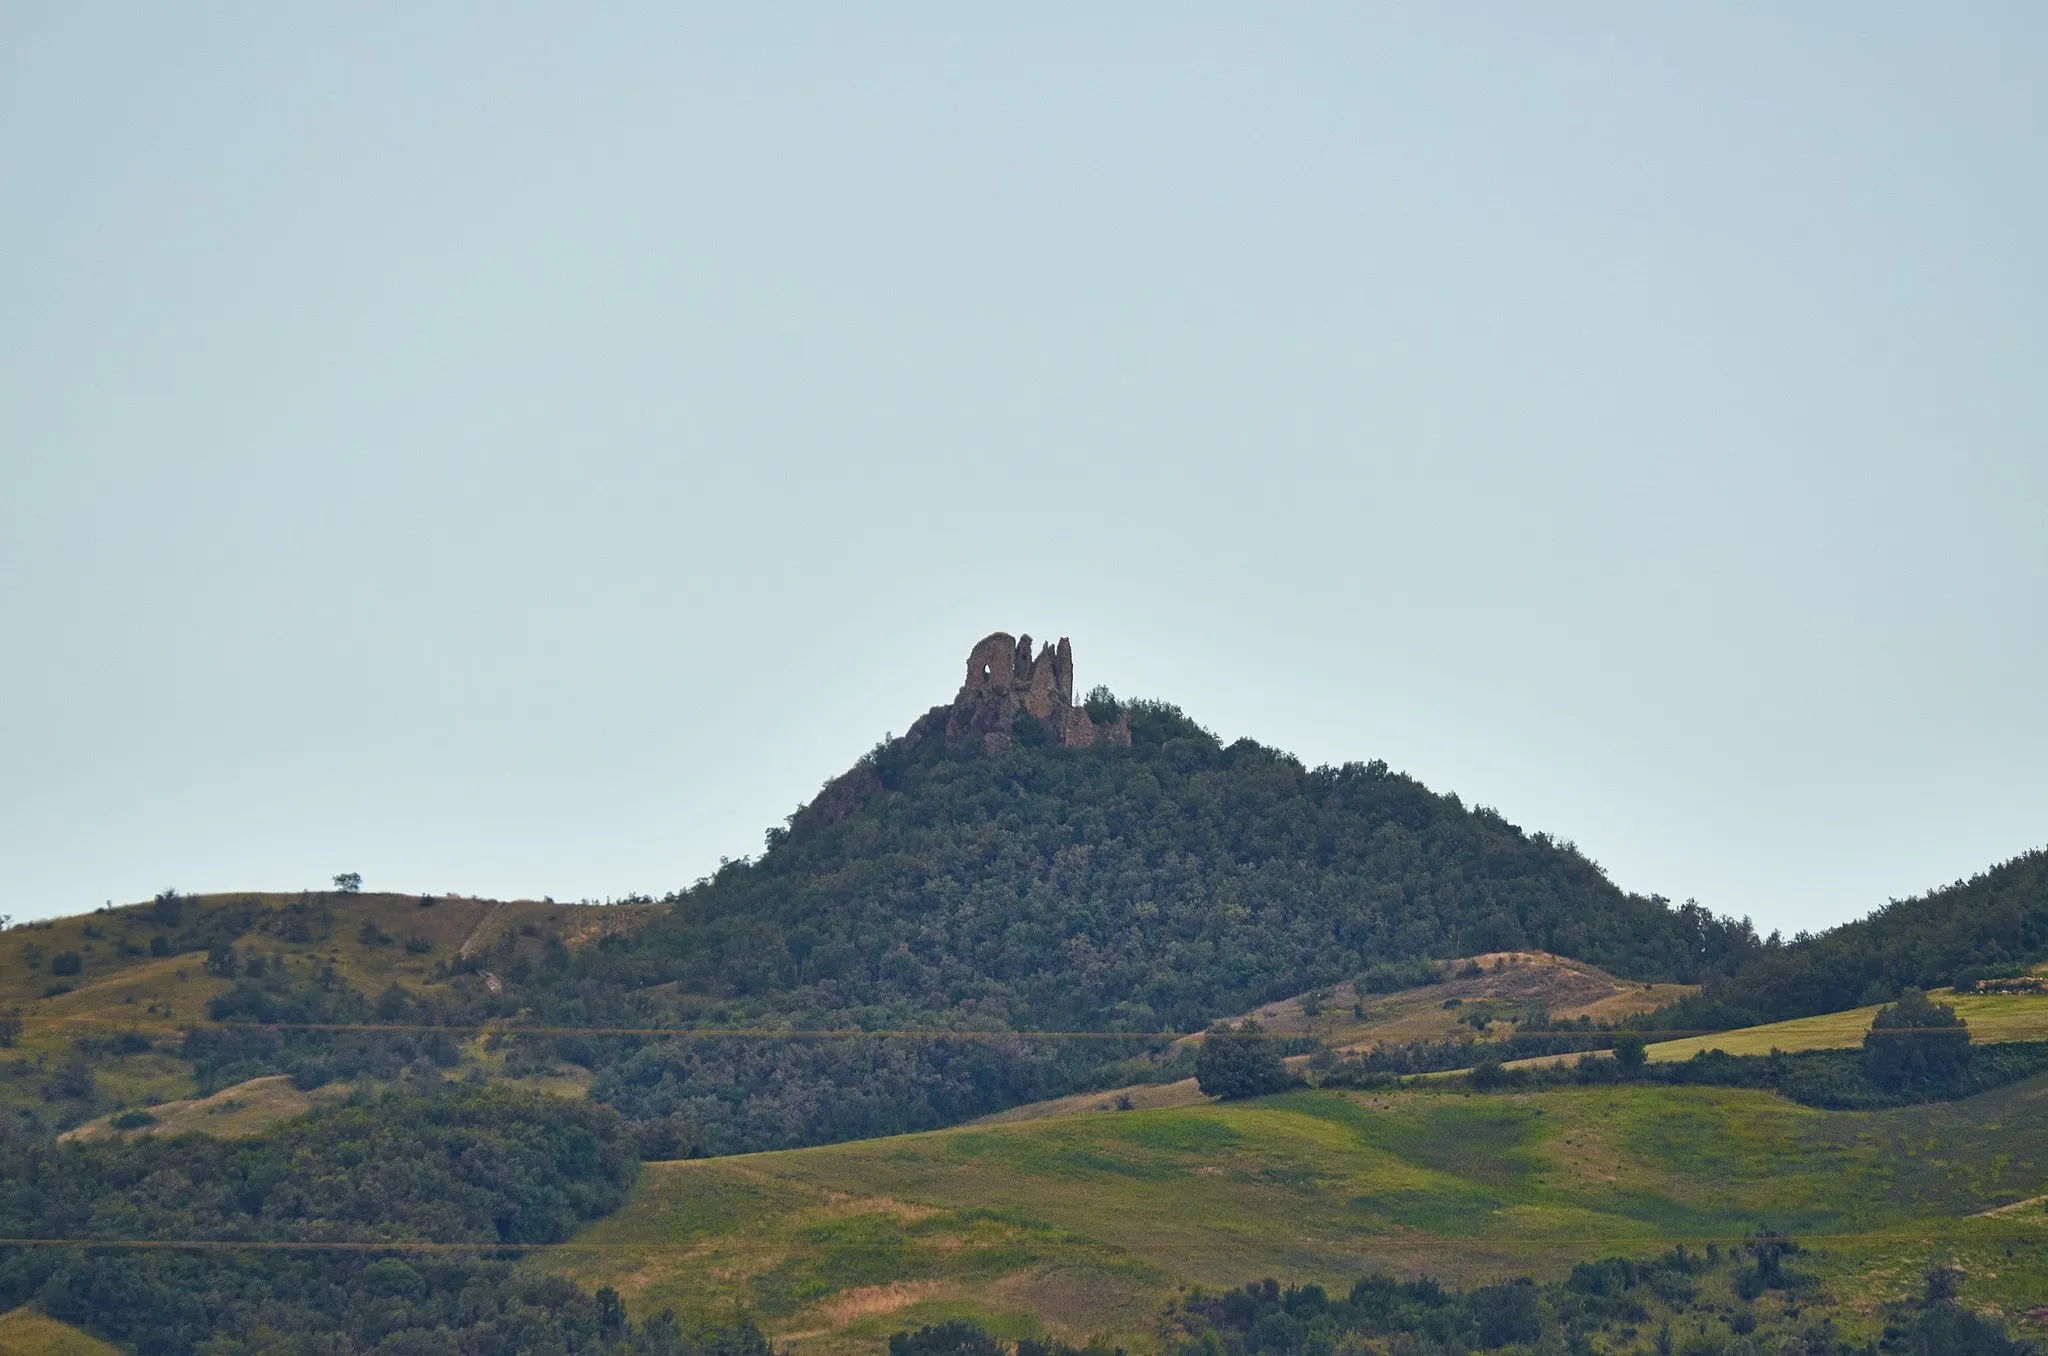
{"type": "Point", "coordinates": [174, 1025]}
{"type": "Point", "coordinates": [711, 1246]}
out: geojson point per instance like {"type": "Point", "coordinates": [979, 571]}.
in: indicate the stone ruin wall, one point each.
{"type": "Point", "coordinates": [1004, 678]}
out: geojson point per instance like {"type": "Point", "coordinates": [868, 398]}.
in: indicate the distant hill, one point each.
{"type": "Point", "coordinates": [1001, 878]}
{"type": "Point", "coordinates": [1994, 921]}
{"type": "Point", "coordinates": [1021, 860]}
{"type": "Point", "coordinates": [1018, 911]}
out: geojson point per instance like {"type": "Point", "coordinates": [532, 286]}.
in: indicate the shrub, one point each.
{"type": "Point", "coordinates": [1389, 976]}
{"type": "Point", "coordinates": [1240, 1063]}
{"type": "Point", "coordinates": [1916, 1043]}
{"type": "Point", "coordinates": [955, 1337]}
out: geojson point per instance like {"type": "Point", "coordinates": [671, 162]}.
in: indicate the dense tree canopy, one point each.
{"type": "Point", "coordinates": [490, 1167]}
{"type": "Point", "coordinates": [1149, 889]}
{"type": "Point", "coordinates": [1995, 918]}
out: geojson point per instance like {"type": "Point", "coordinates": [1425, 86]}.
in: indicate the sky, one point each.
{"type": "Point", "coordinates": [526, 450]}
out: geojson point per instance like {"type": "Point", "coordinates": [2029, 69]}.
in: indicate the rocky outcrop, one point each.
{"type": "Point", "coordinates": [1008, 692]}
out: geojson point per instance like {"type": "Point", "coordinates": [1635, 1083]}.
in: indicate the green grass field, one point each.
{"type": "Point", "coordinates": [1084, 1224]}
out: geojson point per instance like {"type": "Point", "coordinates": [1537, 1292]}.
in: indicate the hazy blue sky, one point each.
{"type": "Point", "coordinates": [527, 449]}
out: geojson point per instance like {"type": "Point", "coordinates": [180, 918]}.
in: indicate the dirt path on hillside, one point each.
{"type": "Point", "coordinates": [476, 934]}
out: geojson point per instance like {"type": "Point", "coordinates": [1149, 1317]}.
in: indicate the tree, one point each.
{"type": "Point", "coordinates": [349, 882]}
{"type": "Point", "coordinates": [1916, 1045]}
{"type": "Point", "coordinates": [955, 1337]}
{"type": "Point", "coordinates": [1629, 1052]}
{"type": "Point", "coordinates": [1239, 1063]}
{"type": "Point", "coordinates": [1507, 1313]}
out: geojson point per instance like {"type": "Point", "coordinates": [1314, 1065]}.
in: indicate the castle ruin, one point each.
{"type": "Point", "coordinates": [1003, 680]}
{"type": "Point", "coordinates": [1008, 691]}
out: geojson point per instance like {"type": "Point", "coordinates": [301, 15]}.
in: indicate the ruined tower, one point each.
{"type": "Point", "coordinates": [1004, 680]}
{"type": "Point", "coordinates": [1009, 694]}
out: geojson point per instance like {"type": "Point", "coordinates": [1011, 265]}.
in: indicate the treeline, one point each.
{"type": "Point", "coordinates": [1988, 924]}
{"type": "Point", "coordinates": [1612, 1300]}
{"type": "Point", "coordinates": [488, 1167]}
{"type": "Point", "coordinates": [692, 1098]}
{"type": "Point", "coordinates": [1916, 1051]}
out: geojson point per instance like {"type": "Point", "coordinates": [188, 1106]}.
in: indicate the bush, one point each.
{"type": "Point", "coordinates": [1507, 1313]}
{"type": "Point", "coordinates": [66, 963]}
{"type": "Point", "coordinates": [1390, 976]}
{"type": "Point", "coordinates": [1488, 1073]}
{"type": "Point", "coordinates": [955, 1337]}
{"type": "Point", "coordinates": [1240, 1063]}
{"type": "Point", "coordinates": [1917, 1044]}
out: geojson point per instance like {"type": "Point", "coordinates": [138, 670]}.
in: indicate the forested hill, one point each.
{"type": "Point", "coordinates": [1151, 887]}
{"type": "Point", "coordinates": [1994, 923]}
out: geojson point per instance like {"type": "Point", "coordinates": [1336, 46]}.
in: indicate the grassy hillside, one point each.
{"type": "Point", "coordinates": [1992, 1018]}
{"type": "Point", "coordinates": [1501, 984]}
{"type": "Point", "coordinates": [1085, 1223]}
{"type": "Point", "coordinates": [24, 1332]}
{"type": "Point", "coordinates": [102, 1013]}
{"type": "Point", "coordinates": [1995, 919]}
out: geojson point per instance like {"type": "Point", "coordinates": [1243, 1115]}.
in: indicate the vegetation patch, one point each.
{"type": "Point", "coordinates": [1314, 1185]}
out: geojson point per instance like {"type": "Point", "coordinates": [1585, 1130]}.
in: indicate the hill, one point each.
{"type": "Point", "coordinates": [1017, 862]}
{"type": "Point", "coordinates": [1157, 886]}
{"type": "Point", "coordinates": [1480, 998]}
{"type": "Point", "coordinates": [1014, 911]}
{"type": "Point", "coordinates": [1994, 922]}
{"type": "Point", "coordinates": [1086, 1223]}
{"type": "Point", "coordinates": [114, 1010]}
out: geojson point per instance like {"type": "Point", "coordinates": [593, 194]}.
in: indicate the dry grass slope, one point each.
{"type": "Point", "coordinates": [24, 1332]}
{"type": "Point", "coordinates": [1507, 982]}
{"type": "Point", "coordinates": [120, 987]}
